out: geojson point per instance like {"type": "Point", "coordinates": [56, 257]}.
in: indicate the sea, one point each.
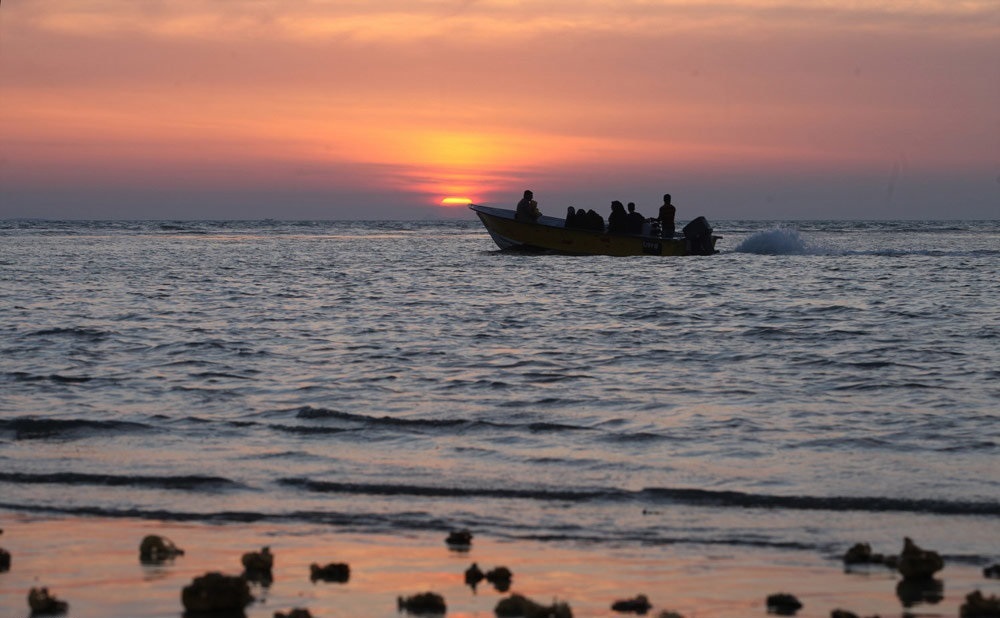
{"type": "Point", "coordinates": [813, 385]}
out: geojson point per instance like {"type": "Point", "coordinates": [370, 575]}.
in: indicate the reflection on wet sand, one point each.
{"type": "Point", "coordinates": [91, 563]}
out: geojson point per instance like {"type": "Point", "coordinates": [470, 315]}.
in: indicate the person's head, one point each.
{"type": "Point", "coordinates": [570, 211]}
{"type": "Point", "coordinates": [666, 198]}
{"type": "Point", "coordinates": [631, 206]}
{"type": "Point", "coordinates": [528, 194]}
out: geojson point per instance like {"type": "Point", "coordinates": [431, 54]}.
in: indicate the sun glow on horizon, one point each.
{"type": "Point", "coordinates": [456, 201]}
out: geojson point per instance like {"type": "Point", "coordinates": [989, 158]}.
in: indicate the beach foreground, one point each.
{"type": "Point", "coordinates": [93, 564]}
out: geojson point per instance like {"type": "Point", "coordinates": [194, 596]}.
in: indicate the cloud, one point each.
{"type": "Point", "coordinates": [429, 19]}
{"type": "Point", "coordinates": [428, 97]}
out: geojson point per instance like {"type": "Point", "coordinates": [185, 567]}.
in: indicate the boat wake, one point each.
{"type": "Point", "coordinates": [777, 241]}
{"type": "Point", "coordinates": [789, 241]}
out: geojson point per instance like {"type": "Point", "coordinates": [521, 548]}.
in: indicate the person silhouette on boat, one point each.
{"type": "Point", "coordinates": [667, 214]}
{"type": "Point", "coordinates": [635, 220]}
{"type": "Point", "coordinates": [527, 208]}
{"type": "Point", "coordinates": [572, 218]}
{"type": "Point", "coordinates": [618, 219]}
{"type": "Point", "coordinates": [593, 220]}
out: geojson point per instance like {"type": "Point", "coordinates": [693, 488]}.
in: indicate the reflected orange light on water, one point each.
{"type": "Point", "coordinates": [684, 578]}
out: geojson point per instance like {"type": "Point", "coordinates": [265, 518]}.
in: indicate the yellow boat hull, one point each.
{"type": "Point", "coordinates": [549, 234]}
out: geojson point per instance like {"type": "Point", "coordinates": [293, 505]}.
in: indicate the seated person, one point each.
{"type": "Point", "coordinates": [594, 221]}
{"type": "Point", "coordinates": [527, 208]}
{"type": "Point", "coordinates": [618, 219]}
{"type": "Point", "coordinates": [635, 220]}
{"type": "Point", "coordinates": [571, 218]}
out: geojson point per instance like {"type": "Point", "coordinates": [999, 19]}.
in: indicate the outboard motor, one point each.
{"type": "Point", "coordinates": [698, 234]}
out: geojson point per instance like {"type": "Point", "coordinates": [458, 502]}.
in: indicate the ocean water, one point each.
{"type": "Point", "coordinates": [813, 385]}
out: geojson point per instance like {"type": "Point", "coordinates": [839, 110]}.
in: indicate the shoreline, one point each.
{"type": "Point", "coordinates": [93, 564]}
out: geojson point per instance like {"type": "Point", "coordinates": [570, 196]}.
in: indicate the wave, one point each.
{"type": "Point", "coordinates": [28, 428]}
{"type": "Point", "coordinates": [310, 413]}
{"type": "Point", "coordinates": [389, 523]}
{"type": "Point", "coordinates": [181, 227]}
{"type": "Point", "coordinates": [369, 489]}
{"type": "Point", "coordinates": [92, 334]}
{"type": "Point", "coordinates": [137, 513]}
{"type": "Point", "coordinates": [192, 482]}
{"type": "Point", "coordinates": [21, 376]}
{"type": "Point", "coordinates": [701, 497]}
{"type": "Point", "coordinates": [663, 496]}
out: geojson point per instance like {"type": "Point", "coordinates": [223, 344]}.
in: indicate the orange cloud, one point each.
{"type": "Point", "coordinates": [436, 99]}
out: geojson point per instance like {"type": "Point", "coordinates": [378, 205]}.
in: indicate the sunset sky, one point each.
{"type": "Point", "coordinates": [762, 109]}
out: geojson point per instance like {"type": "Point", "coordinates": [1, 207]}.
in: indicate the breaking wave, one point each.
{"type": "Point", "coordinates": [661, 496]}
{"type": "Point", "coordinates": [193, 482]}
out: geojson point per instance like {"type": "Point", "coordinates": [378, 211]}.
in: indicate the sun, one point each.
{"type": "Point", "coordinates": [455, 201]}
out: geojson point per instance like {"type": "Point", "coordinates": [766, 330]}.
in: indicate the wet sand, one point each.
{"type": "Point", "coordinates": [94, 565]}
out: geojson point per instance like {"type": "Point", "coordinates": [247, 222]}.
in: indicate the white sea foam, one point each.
{"type": "Point", "coordinates": [776, 241]}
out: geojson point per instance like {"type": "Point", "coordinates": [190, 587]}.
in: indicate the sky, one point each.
{"type": "Point", "coordinates": [328, 109]}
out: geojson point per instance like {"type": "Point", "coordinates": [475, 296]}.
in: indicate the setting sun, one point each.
{"type": "Point", "coordinates": [455, 201]}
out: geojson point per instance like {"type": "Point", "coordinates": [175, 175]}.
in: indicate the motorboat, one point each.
{"type": "Point", "coordinates": [551, 235]}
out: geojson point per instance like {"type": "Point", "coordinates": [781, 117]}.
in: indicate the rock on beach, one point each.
{"type": "Point", "coordinates": [518, 605]}
{"type": "Point", "coordinates": [916, 563]}
{"type": "Point", "coordinates": [215, 592]}
{"type": "Point", "coordinates": [783, 604]}
{"type": "Point", "coordinates": [979, 606]}
{"type": "Point", "coordinates": [155, 548]}
{"type": "Point", "coordinates": [337, 572]}
{"type": "Point", "coordinates": [423, 603]}
{"type": "Point", "coordinates": [43, 603]}
{"type": "Point", "coordinates": [639, 605]}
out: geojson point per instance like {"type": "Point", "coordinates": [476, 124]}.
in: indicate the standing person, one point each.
{"type": "Point", "coordinates": [527, 208]}
{"type": "Point", "coordinates": [667, 214]}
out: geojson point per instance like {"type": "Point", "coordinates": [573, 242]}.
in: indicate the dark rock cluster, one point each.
{"type": "Point", "coordinates": [155, 549]}
{"type": "Point", "coordinates": [500, 577]}
{"type": "Point", "coordinates": [215, 592]}
{"type": "Point", "coordinates": [257, 566]}
{"type": "Point", "coordinates": [262, 560]}
{"type": "Point", "coordinates": [4, 558]}
{"type": "Point", "coordinates": [518, 605]}
{"type": "Point", "coordinates": [474, 575]}
{"type": "Point", "coordinates": [459, 540]}
{"type": "Point", "coordinates": [42, 603]}
{"type": "Point", "coordinates": [861, 553]}
{"type": "Point", "coordinates": [423, 603]}
{"type": "Point", "coordinates": [916, 563]}
{"type": "Point", "coordinates": [979, 606]}
{"type": "Point", "coordinates": [843, 613]}
{"type": "Point", "coordinates": [783, 604]}
{"type": "Point", "coordinates": [336, 572]}
{"type": "Point", "coordinates": [639, 605]}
